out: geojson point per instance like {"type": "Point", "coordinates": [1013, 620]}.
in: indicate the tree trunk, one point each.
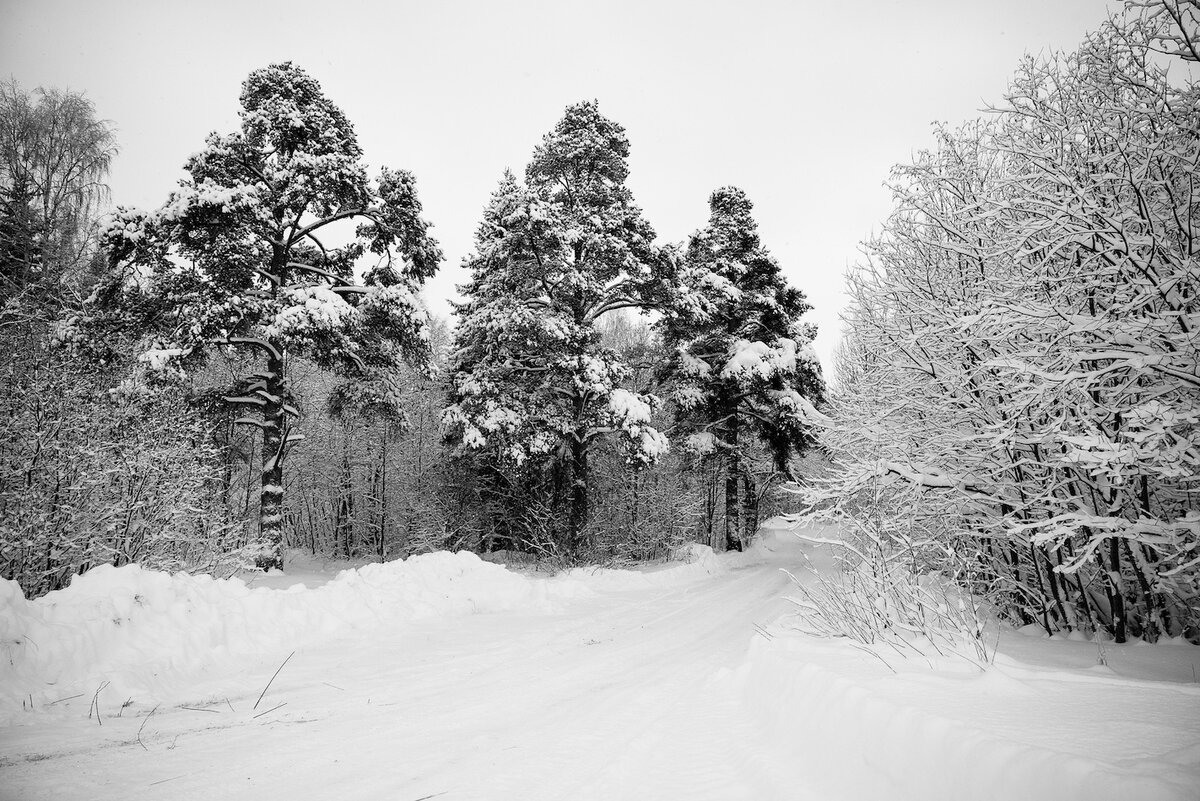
{"type": "Point", "coordinates": [1117, 597]}
{"type": "Point", "coordinates": [733, 540]}
{"type": "Point", "coordinates": [634, 482]}
{"type": "Point", "coordinates": [749, 505]}
{"type": "Point", "coordinates": [383, 500]}
{"type": "Point", "coordinates": [227, 472]}
{"type": "Point", "coordinates": [1093, 616]}
{"type": "Point", "coordinates": [1045, 607]}
{"type": "Point", "coordinates": [343, 531]}
{"type": "Point", "coordinates": [578, 517]}
{"type": "Point", "coordinates": [1067, 619]}
{"type": "Point", "coordinates": [270, 510]}
{"type": "Point", "coordinates": [710, 502]}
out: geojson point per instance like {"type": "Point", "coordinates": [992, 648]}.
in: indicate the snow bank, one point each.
{"type": "Point", "coordinates": [689, 563]}
{"type": "Point", "coordinates": [138, 629]}
{"type": "Point", "coordinates": [134, 627]}
{"type": "Point", "coordinates": [876, 743]}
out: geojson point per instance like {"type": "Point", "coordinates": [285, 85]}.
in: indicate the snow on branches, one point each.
{"type": "Point", "coordinates": [738, 347]}
{"type": "Point", "coordinates": [741, 360]}
{"type": "Point", "coordinates": [532, 385]}
{"type": "Point", "coordinates": [1025, 332]}
{"type": "Point", "coordinates": [236, 258]}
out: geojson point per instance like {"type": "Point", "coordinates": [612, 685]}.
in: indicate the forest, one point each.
{"type": "Point", "coordinates": [248, 368]}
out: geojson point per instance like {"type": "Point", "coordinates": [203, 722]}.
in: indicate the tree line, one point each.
{"type": "Point", "coordinates": [1018, 387]}
{"type": "Point", "coordinates": [248, 366]}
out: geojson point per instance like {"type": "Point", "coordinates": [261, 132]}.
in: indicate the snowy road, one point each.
{"type": "Point", "coordinates": [604, 686]}
{"type": "Point", "coordinates": [622, 695]}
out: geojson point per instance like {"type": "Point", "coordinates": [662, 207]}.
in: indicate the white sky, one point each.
{"type": "Point", "coordinates": [805, 105]}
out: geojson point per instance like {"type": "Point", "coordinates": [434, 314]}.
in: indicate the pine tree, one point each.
{"type": "Point", "coordinates": [237, 258]}
{"type": "Point", "coordinates": [533, 387]}
{"type": "Point", "coordinates": [741, 361]}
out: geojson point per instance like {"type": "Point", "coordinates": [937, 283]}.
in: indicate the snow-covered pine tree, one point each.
{"type": "Point", "coordinates": [741, 361]}
{"type": "Point", "coordinates": [531, 382]}
{"type": "Point", "coordinates": [238, 257]}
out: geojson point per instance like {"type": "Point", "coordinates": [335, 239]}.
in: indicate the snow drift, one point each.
{"type": "Point", "coordinates": [899, 745]}
{"type": "Point", "coordinates": [139, 628]}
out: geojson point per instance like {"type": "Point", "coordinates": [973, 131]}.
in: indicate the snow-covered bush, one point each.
{"type": "Point", "coordinates": [886, 593]}
{"type": "Point", "coordinates": [92, 473]}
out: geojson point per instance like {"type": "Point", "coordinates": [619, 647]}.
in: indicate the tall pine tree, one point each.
{"type": "Point", "coordinates": [741, 365]}
{"type": "Point", "coordinates": [533, 388]}
{"type": "Point", "coordinates": [238, 258]}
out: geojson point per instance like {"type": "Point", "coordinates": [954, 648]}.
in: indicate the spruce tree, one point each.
{"type": "Point", "coordinates": [239, 258]}
{"type": "Point", "coordinates": [532, 385]}
{"type": "Point", "coordinates": [741, 366]}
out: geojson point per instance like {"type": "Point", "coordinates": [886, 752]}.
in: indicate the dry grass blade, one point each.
{"type": "Point", "coordinates": [96, 703]}
{"type": "Point", "coordinates": [766, 634]}
{"type": "Point", "coordinates": [276, 673]}
{"type": "Point", "coordinates": [269, 711]}
{"type": "Point", "coordinates": [68, 698]}
{"type": "Point", "coordinates": [164, 781]}
{"type": "Point", "coordinates": [144, 722]}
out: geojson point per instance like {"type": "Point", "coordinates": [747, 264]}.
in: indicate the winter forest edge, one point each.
{"type": "Point", "coordinates": [247, 369]}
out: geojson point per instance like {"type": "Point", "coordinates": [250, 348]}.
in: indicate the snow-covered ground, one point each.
{"type": "Point", "coordinates": [451, 678]}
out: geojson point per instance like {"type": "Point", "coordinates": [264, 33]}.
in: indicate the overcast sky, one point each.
{"type": "Point", "coordinates": [805, 105]}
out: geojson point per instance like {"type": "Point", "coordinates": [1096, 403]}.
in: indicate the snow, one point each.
{"type": "Point", "coordinates": [398, 304]}
{"type": "Point", "coordinates": [1013, 732]}
{"type": "Point", "coordinates": [629, 408]}
{"type": "Point", "coordinates": [650, 445]}
{"type": "Point", "coordinates": [208, 193]}
{"type": "Point", "coordinates": [631, 413]}
{"type": "Point", "coordinates": [158, 359]}
{"type": "Point", "coordinates": [690, 365]}
{"type": "Point", "coordinates": [113, 623]}
{"type": "Point", "coordinates": [701, 443]}
{"type": "Point", "coordinates": [801, 408]}
{"type": "Point", "coordinates": [593, 374]}
{"type": "Point", "coordinates": [127, 224]}
{"type": "Point", "coordinates": [751, 359]}
{"type": "Point", "coordinates": [446, 676]}
{"type": "Point", "coordinates": [310, 309]}
{"type": "Point", "coordinates": [688, 396]}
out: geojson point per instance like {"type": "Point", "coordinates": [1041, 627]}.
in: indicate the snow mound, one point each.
{"type": "Point", "coordinates": [139, 629]}
{"type": "Point", "coordinates": [877, 743]}
{"type": "Point", "coordinates": [127, 625]}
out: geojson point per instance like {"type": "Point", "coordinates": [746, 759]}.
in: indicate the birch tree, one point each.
{"type": "Point", "coordinates": [54, 159]}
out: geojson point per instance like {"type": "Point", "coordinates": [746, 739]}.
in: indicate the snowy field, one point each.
{"type": "Point", "coordinates": [451, 678]}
